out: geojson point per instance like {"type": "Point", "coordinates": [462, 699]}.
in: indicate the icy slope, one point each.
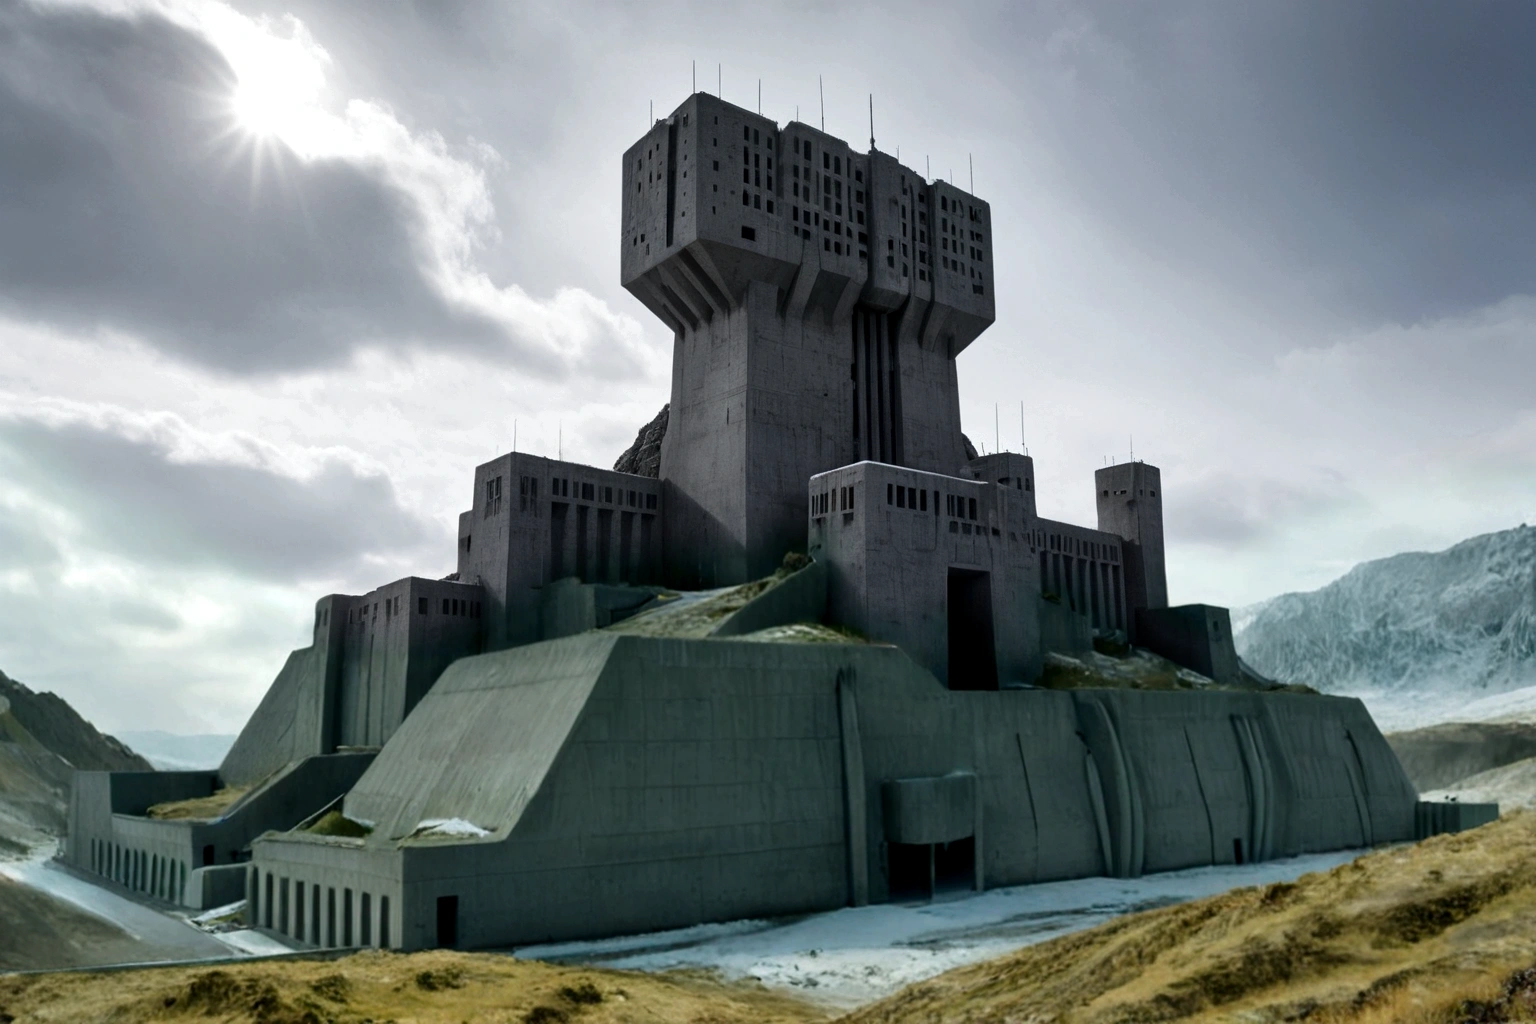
{"type": "Point", "coordinates": [1417, 636]}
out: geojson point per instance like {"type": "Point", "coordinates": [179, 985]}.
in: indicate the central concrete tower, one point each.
{"type": "Point", "coordinates": [818, 298]}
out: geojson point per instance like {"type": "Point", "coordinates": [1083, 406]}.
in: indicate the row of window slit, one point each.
{"type": "Point", "coordinates": [560, 487]}
{"type": "Point", "coordinates": [162, 877]}
{"type": "Point", "coordinates": [1091, 584]}
{"type": "Point", "coordinates": [270, 905]}
{"type": "Point", "coordinates": [454, 606]}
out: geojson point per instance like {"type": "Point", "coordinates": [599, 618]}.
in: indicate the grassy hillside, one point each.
{"type": "Point", "coordinates": [1403, 934]}
{"type": "Point", "coordinates": [1431, 933]}
{"type": "Point", "coordinates": [40, 932]}
{"type": "Point", "coordinates": [431, 988]}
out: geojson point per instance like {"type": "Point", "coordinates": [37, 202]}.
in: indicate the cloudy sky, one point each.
{"type": "Point", "coordinates": [275, 275]}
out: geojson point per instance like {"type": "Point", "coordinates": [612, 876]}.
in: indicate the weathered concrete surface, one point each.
{"type": "Point", "coordinates": [1431, 818]}
{"type": "Point", "coordinates": [110, 836]}
{"type": "Point", "coordinates": [569, 606]}
{"type": "Point", "coordinates": [801, 597]}
{"type": "Point", "coordinates": [621, 783]}
{"type": "Point", "coordinates": [1197, 636]}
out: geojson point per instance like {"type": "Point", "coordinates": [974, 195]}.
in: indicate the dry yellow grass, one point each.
{"type": "Point", "coordinates": [198, 808]}
{"type": "Point", "coordinates": [1406, 935]}
{"type": "Point", "coordinates": [1403, 934]}
{"type": "Point", "coordinates": [421, 988]}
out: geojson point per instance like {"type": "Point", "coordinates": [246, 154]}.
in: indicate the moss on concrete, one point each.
{"type": "Point", "coordinates": [334, 823]}
{"type": "Point", "coordinates": [202, 808]}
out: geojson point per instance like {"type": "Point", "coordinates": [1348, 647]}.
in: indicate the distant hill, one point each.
{"type": "Point", "coordinates": [174, 752]}
{"type": "Point", "coordinates": [42, 741]}
{"type": "Point", "coordinates": [1418, 636]}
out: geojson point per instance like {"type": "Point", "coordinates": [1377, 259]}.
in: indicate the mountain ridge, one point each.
{"type": "Point", "coordinates": [1435, 628]}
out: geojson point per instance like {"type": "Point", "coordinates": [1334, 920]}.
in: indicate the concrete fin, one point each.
{"type": "Point", "coordinates": [712, 292]}
{"type": "Point", "coordinates": [1100, 814]}
{"type": "Point", "coordinates": [679, 285]}
{"type": "Point", "coordinates": [1205, 800]}
{"type": "Point", "coordinates": [853, 790]}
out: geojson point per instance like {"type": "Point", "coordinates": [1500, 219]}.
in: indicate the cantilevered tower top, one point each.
{"type": "Point", "coordinates": [716, 196]}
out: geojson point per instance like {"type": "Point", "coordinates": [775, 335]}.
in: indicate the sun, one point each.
{"type": "Point", "coordinates": [279, 77]}
{"type": "Point", "coordinates": [264, 111]}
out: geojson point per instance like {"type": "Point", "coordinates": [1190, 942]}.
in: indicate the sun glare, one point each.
{"type": "Point", "coordinates": [279, 77]}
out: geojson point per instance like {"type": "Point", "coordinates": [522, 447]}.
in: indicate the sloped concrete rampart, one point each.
{"type": "Point", "coordinates": [632, 783]}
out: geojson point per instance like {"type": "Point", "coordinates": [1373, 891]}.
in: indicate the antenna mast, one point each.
{"type": "Point", "coordinates": [822, 91]}
{"type": "Point", "coordinates": [871, 122]}
{"type": "Point", "coordinates": [695, 76]}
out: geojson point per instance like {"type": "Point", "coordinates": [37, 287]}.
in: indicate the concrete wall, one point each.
{"type": "Point", "coordinates": [1063, 630]}
{"type": "Point", "coordinates": [893, 540]}
{"type": "Point", "coordinates": [1086, 570]}
{"type": "Point", "coordinates": [536, 520]}
{"type": "Point", "coordinates": [568, 606]}
{"type": "Point", "coordinates": [397, 641]}
{"type": "Point", "coordinates": [629, 784]}
{"type": "Point", "coordinates": [108, 837]}
{"type": "Point", "coordinates": [286, 725]}
{"type": "Point", "coordinates": [372, 659]}
{"type": "Point", "coordinates": [162, 858]}
{"type": "Point", "coordinates": [1130, 503]}
{"type": "Point", "coordinates": [1197, 636]}
{"type": "Point", "coordinates": [802, 597]}
{"type": "Point", "coordinates": [1432, 818]}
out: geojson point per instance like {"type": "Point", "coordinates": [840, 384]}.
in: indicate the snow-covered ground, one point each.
{"type": "Point", "coordinates": [852, 956]}
{"type": "Point", "coordinates": [166, 935]}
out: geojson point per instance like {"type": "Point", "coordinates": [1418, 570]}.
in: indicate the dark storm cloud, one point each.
{"type": "Point", "coordinates": [1380, 154]}
{"type": "Point", "coordinates": [125, 203]}
{"type": "Point", "coordinates": [133, 500]}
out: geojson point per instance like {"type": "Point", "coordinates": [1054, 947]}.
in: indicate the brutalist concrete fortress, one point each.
{"type": "Point", "coordinates": [628, 710]}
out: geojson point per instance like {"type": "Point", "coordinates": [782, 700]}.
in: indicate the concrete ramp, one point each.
{"type": "Point", "coordinates": [477, 747]}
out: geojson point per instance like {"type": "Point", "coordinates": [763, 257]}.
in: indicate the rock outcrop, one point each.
{"type": "Point", "coordinates": [42, 742]}
{"type": "Point", "coordinates": [643, 458]}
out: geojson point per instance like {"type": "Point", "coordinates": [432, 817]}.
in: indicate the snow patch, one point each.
{"type": "Point", "coordinates": [447, 828]}
{"type": "Point", "coordinates": [211, 916]}
{"type": "Point", "coordinates": [848, 957]}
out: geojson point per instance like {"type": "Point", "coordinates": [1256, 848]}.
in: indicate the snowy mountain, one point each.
{"type": "Point", "coordinates": [1420, 637]}
{"type": "Point", "coordinates": [174, 752]}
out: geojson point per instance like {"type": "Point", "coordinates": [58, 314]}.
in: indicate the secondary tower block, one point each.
{"type": "Point", "coordinates": [818, 298]}
{"type": "Point", "coordinates": [1131, 507]}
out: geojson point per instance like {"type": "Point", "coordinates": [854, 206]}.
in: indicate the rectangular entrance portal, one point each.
{"type": "Point", "coordinates": [972, 656]}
